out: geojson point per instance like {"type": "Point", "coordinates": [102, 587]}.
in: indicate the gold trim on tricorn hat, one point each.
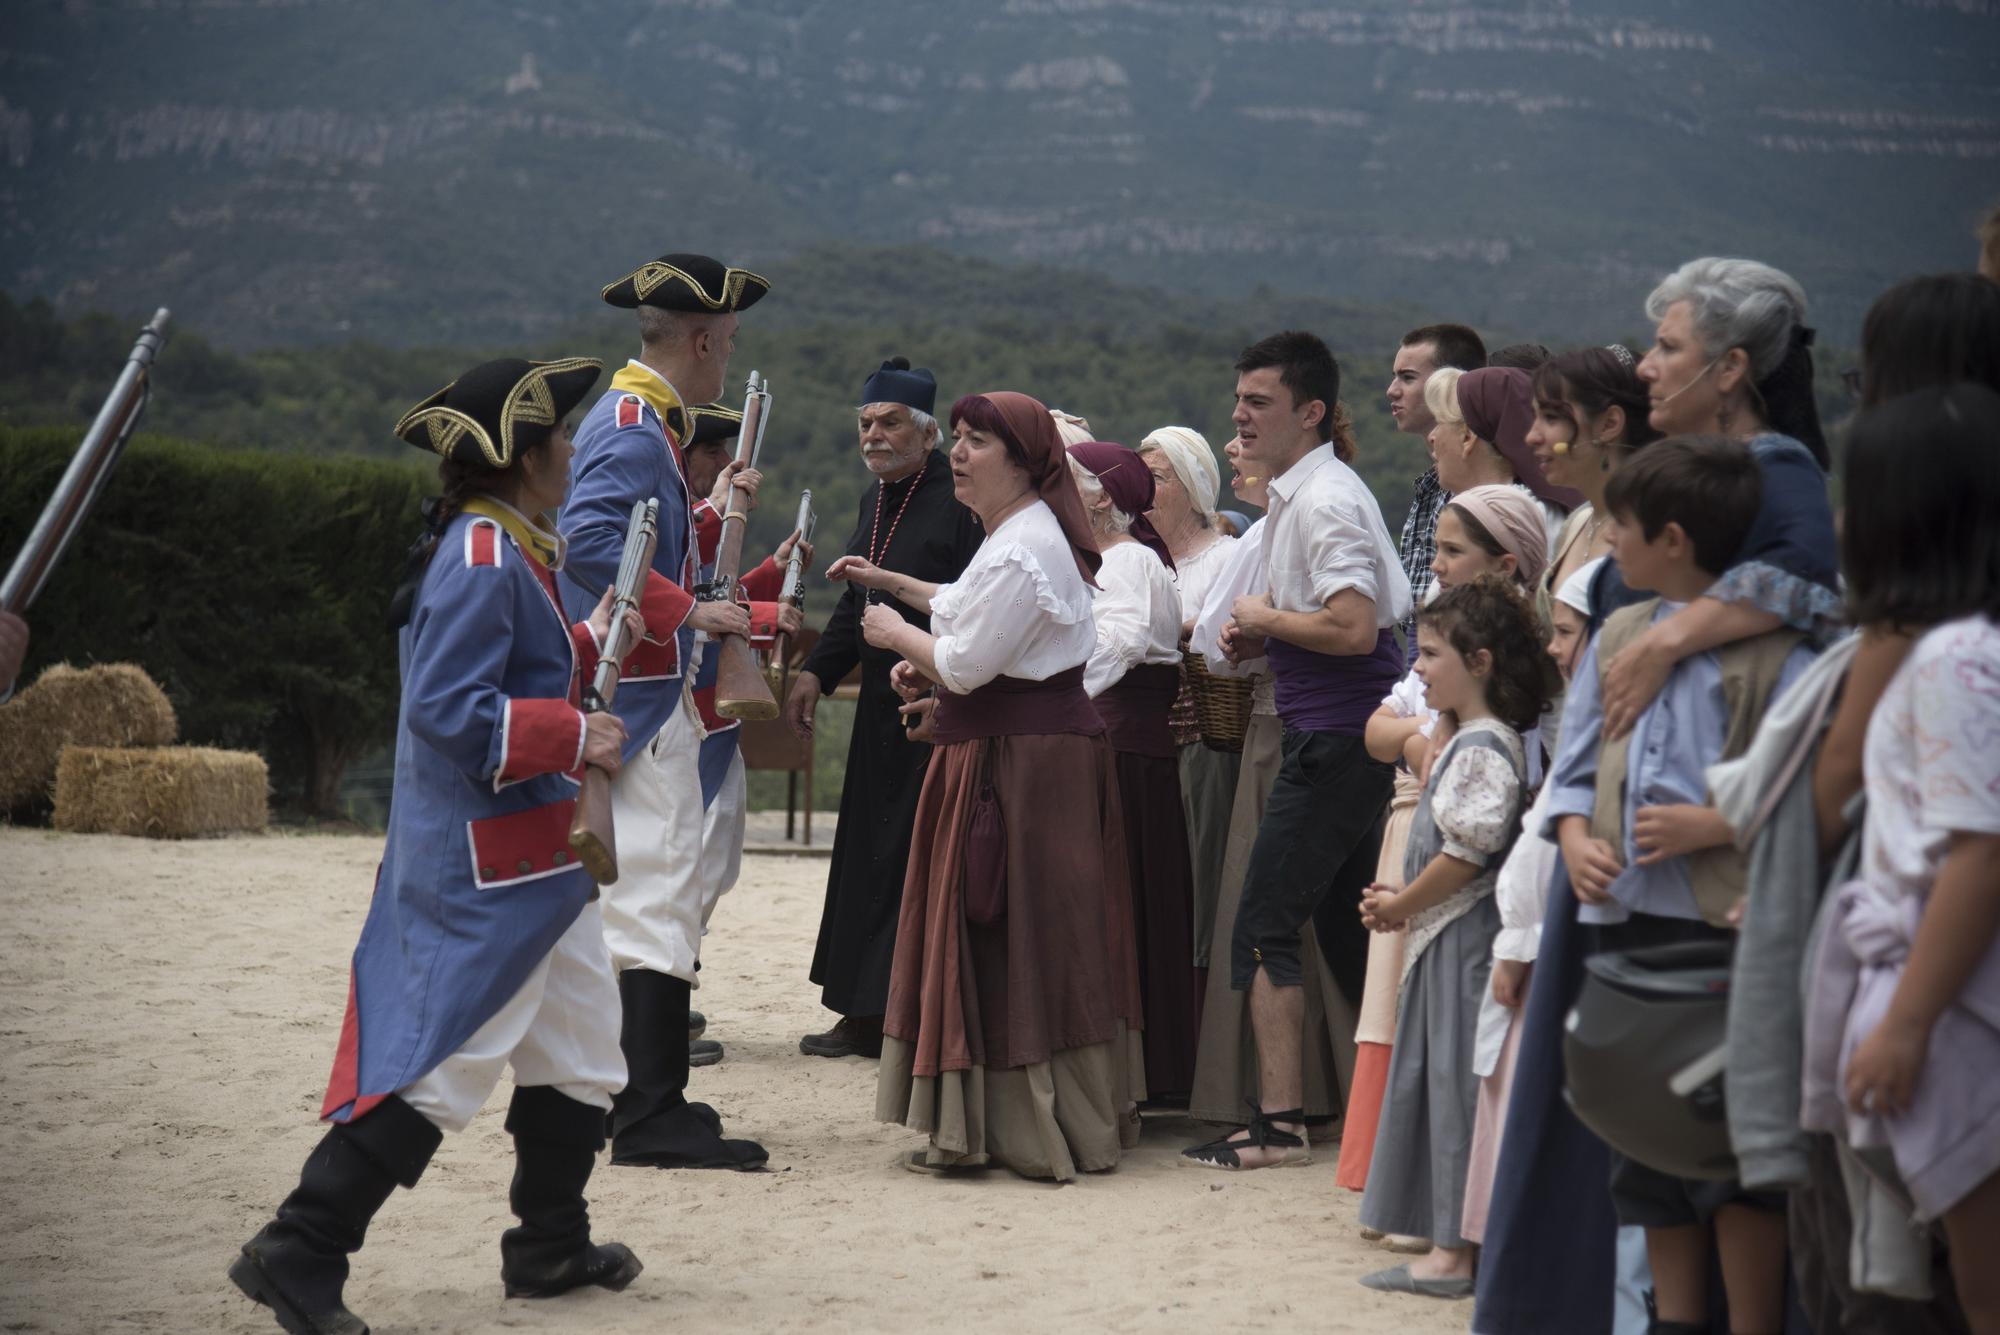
{"type": "Point", "coordinates": [692, 283]}
{"type": "Point", "coordinates": [712, 422]}
{"type": "Point", "coordinates": [498, 409]}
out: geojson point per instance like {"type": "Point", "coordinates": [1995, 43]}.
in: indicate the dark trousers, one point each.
{"type": "Point", "coordinates": [1317, 846]}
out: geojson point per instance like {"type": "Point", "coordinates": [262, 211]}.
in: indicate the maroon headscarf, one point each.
{"type": "Point", "coordinates": [1129, 483]}
{"type": "Point", "coordinates": [1026, 423]}
{"type": "Point", "coordinates": [1498, 403]}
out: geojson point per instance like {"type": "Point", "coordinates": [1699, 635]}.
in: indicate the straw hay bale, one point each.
{"type": "Point", "coordinates": [113, 704]}
{"type": "Point", "coordinates": [168, 792]}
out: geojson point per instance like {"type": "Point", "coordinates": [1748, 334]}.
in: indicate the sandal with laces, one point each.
{"type": "Point", "coordinates": [1264, 1134]}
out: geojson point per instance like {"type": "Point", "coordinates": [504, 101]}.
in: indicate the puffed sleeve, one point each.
{"type": "Point", "coordinates": [1477, 801]}
{"type": "Point", "coordinates": [460, 641]}
{"type": "Point", "coordinates": [1956, 713]}
{"type": "Point", "coordinates": [992, 614]}
{"type": "Point", "coordinates": [1122, 609]}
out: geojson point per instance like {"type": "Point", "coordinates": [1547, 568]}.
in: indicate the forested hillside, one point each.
{"type": "Point", "coordinates": [468, 173]}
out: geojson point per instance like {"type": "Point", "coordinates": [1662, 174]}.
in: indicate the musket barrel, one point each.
{"type": "Point", "coordinates": [89, 468]}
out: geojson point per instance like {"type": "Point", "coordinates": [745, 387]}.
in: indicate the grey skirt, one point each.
{"type": "Point", "coordinates": [1423, 1144]}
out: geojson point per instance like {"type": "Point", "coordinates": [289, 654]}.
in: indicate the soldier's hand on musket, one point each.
{"type": "Point", "coordinates": [745, 480]}
{"type": "Point", "coordinates": [603, 741]}
{"type": "Point", "coordinates": [783, 555]}
{"type": "Point", "coordinates": [790, 619]}
{"type": "Point", "coordinates": [720, 618]}
{"type": "Point", "coordinates": [600, 624]}
{"type": "Point", "coordinates": [13, 649]}
{"type": "Point", "coordinates": [802, 704]}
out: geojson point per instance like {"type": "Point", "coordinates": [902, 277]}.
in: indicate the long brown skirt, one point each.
{"type": "Point", "coordinates": [1225, 1074]}
{"type": "Point", "coordinates": [1017, 1042]}
{"type": "Point", "coordinates": [1149, 789]}
{"type": "Point", "coordinates": [1208, 791]}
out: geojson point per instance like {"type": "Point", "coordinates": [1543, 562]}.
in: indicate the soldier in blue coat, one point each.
{"type": "Point", "coordinates": [484, 946]}
{"type": "Point", "coordinates": [628, 448]}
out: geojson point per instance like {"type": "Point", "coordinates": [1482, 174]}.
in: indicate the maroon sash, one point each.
{"type": "Point", "coordinates": [1135, 709]}
{"type": "Point", "coordinates": [1015, 706]}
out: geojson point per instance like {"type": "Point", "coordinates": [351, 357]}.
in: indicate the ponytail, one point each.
{"type": "Point", "coordinates": [461, 482]}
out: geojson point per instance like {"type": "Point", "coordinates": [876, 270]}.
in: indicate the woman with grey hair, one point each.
{"type": "Point", "coordinates": [1185, 483]}
{"type": "Point", "coordinates": [1731, 356]}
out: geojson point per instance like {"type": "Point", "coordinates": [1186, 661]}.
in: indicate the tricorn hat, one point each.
{"type": "Point", "coordinates": [712, 423]}
{"type": "Point", "coordinates": [897, 383]}
{"type": "Point", "coordinates": [692, 283]}
{"type": "Point", "coordinates": [498, 409]}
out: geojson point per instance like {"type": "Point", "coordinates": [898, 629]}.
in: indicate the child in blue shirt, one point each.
{"type": "Point", "coordinates": [1648, 858]}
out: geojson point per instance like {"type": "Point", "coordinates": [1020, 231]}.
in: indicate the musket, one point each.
{"type": "Point", "coordinates": [591, 836]}
{"type": "Point", "coordinates": [89, 468]}
{"type": "Point", "coordinates": [740, 689]}
{"type": "Point", "coordinates": [793, 590]}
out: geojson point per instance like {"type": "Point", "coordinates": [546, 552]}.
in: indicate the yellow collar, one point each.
{"type": "Point", "coordinates": [537, 541]}
{"type": "Point", "coordinates": [638, 378]}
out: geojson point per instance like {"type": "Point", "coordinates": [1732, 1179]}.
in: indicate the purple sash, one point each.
{"type": "Point", "coordinates": [1135, 709]}
{"type": "Point", "coordinates": [1014, 706]}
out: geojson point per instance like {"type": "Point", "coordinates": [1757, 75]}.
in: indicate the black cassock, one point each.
{"type": "Point", "coordinates": [932, 540]}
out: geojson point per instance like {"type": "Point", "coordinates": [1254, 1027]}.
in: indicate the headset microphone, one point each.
{"type": "Point", "coordinates": [1689, 385]}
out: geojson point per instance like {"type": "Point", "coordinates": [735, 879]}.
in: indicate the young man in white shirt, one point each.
{"type": "Point", "coordinates": [1337, 590]}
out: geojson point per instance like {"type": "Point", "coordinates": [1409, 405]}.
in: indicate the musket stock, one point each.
{"type": "Point", "coordinates": [89, 468]}
{"type": "Point", "coordinates": [591, 836]}
{"type": "Point", "coordinates": [793, 590]}
{"type": "Point", "coordinates": [740, 689]}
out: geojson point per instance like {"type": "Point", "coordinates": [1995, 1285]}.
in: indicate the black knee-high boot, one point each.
{"type": "Point", "coordinates": [297, 1263]}
{"type": "Point", "coordinates": [556, 1140]}
{"type": "Point", "coordinates": [652, 1123]}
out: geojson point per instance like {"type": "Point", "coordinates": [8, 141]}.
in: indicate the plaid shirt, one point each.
{"type": "Point", "coordinates": [1420, 546]}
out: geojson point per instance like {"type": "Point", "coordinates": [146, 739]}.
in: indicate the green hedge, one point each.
{"type": "Point", "coordinates": [250, 585]}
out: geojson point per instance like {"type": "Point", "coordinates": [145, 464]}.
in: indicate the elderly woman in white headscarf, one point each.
{"type": "Point", "coordinates": [1185, 483]}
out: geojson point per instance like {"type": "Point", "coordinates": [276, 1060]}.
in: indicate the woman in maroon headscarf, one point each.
{"type": "Point", "coordinates": [1013, 1027]}
{"type": "Point", "coordinates": [1134, 674]}
{"type": "Point", "coordinates": [1482, 437]}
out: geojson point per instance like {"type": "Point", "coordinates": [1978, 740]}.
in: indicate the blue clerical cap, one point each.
{"type": "Point", "coordinates": [897, 383]}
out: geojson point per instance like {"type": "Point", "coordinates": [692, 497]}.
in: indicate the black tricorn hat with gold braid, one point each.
{"type": "Point", "coordinates": [498, 409]}
{"type": "Point", "coordinates": [712, 424]}
{"type": "Point", "coordinates": [694, 284]}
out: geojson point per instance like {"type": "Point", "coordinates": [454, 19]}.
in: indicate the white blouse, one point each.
{"type": "Point", "coordinates": [1195, 575]}
{"type": "Point", "coordinates": [1138, 615]}
{"type": "Point", "coordinates": [1019, 609]}
{"type": "Point", "coordinates": [1242, 575]}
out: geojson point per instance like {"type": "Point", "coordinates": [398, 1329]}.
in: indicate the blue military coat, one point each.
{"type": "Point", "coordinates": [477, 881]}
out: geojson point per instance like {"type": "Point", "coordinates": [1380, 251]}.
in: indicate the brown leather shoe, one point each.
{"type": "Point", "coordinates": [854, 1036]}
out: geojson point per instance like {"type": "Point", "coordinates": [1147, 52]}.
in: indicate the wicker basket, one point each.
{"type": "Point", "coordinates": [1221, 703]}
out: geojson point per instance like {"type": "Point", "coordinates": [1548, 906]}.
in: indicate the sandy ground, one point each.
{"type": "Point", "coordinates": [167, 1014]}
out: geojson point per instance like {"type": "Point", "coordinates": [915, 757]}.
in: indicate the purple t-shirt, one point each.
{"type": "Point", "coordinates": [1333, 693]}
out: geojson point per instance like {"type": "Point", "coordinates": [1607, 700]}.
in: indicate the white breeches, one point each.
{"type": "Point", "coordinates": [653, 912]}
{"type": "Point", "coordinates": [560, 1028]}
{"type": "Point", "coordinates": [722, 838]}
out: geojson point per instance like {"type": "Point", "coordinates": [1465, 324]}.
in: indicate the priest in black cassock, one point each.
{"type": "Point", "coordinates": [911, 523]}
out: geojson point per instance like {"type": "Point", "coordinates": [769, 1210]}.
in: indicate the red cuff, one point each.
{"type": "Point", "coordinates": [538, 737]}
{"type": "Point", "coordinates": [588, 651]}
{"type": "Point", "coordinates": [707, 531]}
{"type": "Point", "coordinates": [663, 607]}
{"type": "Point", "coordinates": [763, 624]}
{"type": "Point", "coordinates": [764, 583]}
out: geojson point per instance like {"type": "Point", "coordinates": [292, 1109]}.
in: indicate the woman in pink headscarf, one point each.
{"type": "Point", "coordinates": [1013, 1027]}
